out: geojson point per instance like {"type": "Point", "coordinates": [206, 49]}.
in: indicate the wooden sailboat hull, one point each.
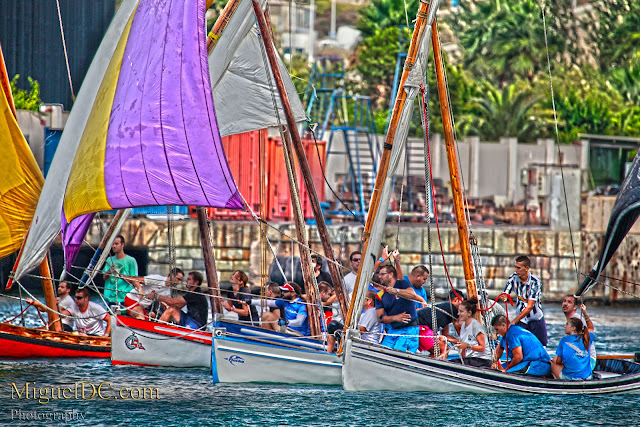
{"type": "Point", "coordinates": [23, 343]}
{"type": "Point", "coordinates": [241, 360]}
{"type": "Point", "coordinates": [141, 342]}
{"type": "Point", "coordinates": [401, 371]}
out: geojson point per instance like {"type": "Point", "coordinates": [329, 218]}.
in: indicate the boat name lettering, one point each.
{"type": "Point", "coordinates": [234, 359]}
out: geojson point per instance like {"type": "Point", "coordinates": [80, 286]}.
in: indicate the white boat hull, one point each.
{"type": "Point", "coordinates": [140, 342]}
{"type": "Point", "coordinates": [240, 360]}
{"type": "Point", "coordinates": [400, 371]}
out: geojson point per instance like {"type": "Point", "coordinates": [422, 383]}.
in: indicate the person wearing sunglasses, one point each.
{"type": "Point", "coordinates": [350, 277]}
{"type": "Point", "coordinates": [89, 316]}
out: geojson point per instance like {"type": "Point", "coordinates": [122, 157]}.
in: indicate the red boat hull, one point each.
{"type": "Point", "coordinates": [23, 343]}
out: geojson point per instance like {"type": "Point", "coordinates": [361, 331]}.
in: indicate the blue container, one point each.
{"type": "Point", "coordinates": [51, 141]}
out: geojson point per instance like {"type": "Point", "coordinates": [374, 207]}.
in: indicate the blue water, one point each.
{"type": "Point", "coordinates": [188, 398]}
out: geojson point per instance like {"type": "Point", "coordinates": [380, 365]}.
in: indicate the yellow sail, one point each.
{"type": "Point", "coordinates": [20, 178]}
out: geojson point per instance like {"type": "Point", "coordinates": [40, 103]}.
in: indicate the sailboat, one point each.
{"type": "Point", "coordinates": [403, 371]}
{"type": "Point", "coordinates": [21, 185]}
{"type": "Point", "coordinates": [143, 131]}
{"type": "Point", "coordinates": [234, 63]}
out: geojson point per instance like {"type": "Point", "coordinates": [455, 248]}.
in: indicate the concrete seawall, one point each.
{"type": "Point", "coordinates": [554, 254]}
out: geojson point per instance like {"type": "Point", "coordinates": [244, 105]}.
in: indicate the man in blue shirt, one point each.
{"type": "Point", "coordinates": [418, 278]}
{"type": "Point", "coordinates": [395, 307]}
{"type": "Point", "coordinates": [525, 352]}
{"type": "Point", "coordinates": [294, 308]}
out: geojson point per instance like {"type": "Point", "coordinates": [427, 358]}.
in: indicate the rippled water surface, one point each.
{"type": "Point", "coordinates": [188, 398]}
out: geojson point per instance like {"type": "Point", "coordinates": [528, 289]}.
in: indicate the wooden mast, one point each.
{"type": "Point", "coordinates": [370, 254]}
{"type": "Point", "coordinates": [45, 271]}
{"type": "Point", "coordinates": [210, 269]}
{"type": "Point", "coordinates": [305, 255]}
{"type": "Point", "coordinates": [456, 186]}
{"type": "Point", "coordinates": [323, 232]}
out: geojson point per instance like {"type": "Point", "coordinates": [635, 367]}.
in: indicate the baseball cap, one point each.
{"type": "Point", "coordinates": [287, 287]}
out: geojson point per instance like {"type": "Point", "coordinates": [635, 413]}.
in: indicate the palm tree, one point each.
{"type": "Point", "coordinates": [504, 40]}
{"type": "Point", "coordinates": [627, 82]}
{"type": "Point", "coordinates": [505, 113]}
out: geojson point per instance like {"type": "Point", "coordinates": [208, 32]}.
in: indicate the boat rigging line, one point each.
{"type": "Point", "coordinates": [555, 121]}
{"type": "Point", "coordinates": [64, 47]}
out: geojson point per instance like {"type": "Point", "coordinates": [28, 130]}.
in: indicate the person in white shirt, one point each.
{"type": "Point", "coordinates": [140, 298]}
{"type": "Point", "coordinates": [89, 316]}
{"type": "Point", "coordinates": [65, 301]}
{"type": "Point", "coordinates": [350, 278]}
{"type": "Point", "coordinates": [369, 326]}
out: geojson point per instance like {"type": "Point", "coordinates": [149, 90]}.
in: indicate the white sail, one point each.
{"type": "Point", "coordinates": [243, 94]}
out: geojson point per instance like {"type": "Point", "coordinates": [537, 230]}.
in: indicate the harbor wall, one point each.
{"type": "Point", "coordinates": [237, 247]}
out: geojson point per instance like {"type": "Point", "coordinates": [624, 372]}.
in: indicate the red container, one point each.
{"type": "Point", "coordinates": [243, 155]}
{"type": "Point", "coordinates": [279, 193]}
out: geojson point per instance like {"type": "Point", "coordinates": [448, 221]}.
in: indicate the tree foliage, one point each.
{"type": "Point", "coordinates": [504, 41]}
{"type": "Point", "coordinates": [26, 99]}
{"type": "Point", "coordinates": [376, 63]}
{"type": "Point", "coordinates": [614, 29]}
{"type": "Point", "coordinates": [383, 14]}
{"type": "Point", "coordinates": [505, 112]}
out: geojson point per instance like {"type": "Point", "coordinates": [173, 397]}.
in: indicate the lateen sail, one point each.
{"type": "Point", "coordinates": [143, 131]}
{"type": "Point", "coordinates": [20, 178]}
{"type": "Point", "coordinates": [241, 88]}
{"type": "Point", "coordinates": [624, 214]}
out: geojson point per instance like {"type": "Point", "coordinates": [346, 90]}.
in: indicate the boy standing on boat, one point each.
{"type": "Point", "coordinates": [528, 290]}
{"type": "Point", "coordinates": [116, 266]}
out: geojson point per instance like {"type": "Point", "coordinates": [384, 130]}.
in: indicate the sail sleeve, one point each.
{"type": "Point", "coordinates": [246, 94]}
{"type": "Point", "coordinates": [20, 178]}
{"type": "Point", "coordinates": [624, 214]}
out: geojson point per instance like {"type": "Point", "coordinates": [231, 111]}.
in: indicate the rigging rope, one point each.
{"type": "Point", "coordinates": [64, 47]}
{"type": "Point", "coordinates": [555, 120]}
{"type": "Point", "coordinates": [428, 178]}
{"type": "Point", "coordinates": [171, 241]}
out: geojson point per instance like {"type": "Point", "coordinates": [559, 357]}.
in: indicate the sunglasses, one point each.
{"type": "Point", "coordinates": [77, 297]}
{"type": "Point", "coordinates": [355, 260]}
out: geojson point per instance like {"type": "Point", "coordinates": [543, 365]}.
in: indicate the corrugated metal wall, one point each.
{"type": "Point", "coordinates": [32, 43]}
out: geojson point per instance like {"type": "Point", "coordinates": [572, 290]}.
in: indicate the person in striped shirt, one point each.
{"type": "Point", "coordinates": [528, 289]}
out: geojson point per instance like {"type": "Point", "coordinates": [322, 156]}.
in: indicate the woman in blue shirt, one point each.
{"type": "Point", "coordinates": [573, 357]}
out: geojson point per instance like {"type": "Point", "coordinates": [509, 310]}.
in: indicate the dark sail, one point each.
{"type": "Point", "coordinates": [623, 215]}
